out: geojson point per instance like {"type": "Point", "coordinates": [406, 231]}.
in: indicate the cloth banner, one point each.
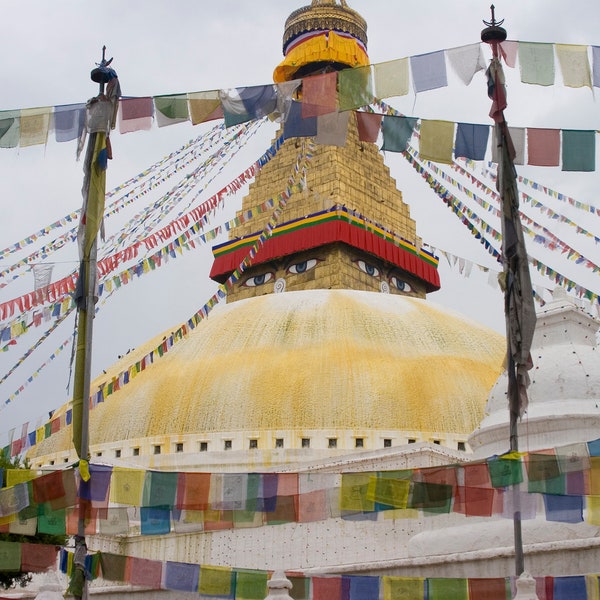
{"type": "Point", "coordinates": [391, 78]}
{"type": "Point", "coordinates": [471, 141]}
{"type": "Point", "coordinates": [355, 88]}
{"type": "Point", "coordinates": [205, 106]}
{"type": "Point", "coordinates": [543, 147]}
{"type": "Point", "coordinates": [332, 128]}
{"type": "Point", "coordinates": [35, 123]}
{"type": "Point", "coordinates": [536, 62]}
{"type": "Point", "coordinates": [578, 150]}
{"type": "Point", "coordinates": [466, 61]}
{"type": "Point", "coordinates": [596, 67]}
{"type": "Point", "coordinates": [397, 132]}
{"type": "Point", "coordinates": [10, 128]}
{"type": "Point", "coordinates": [171, 109]}
{"type": "Point", "coordinates": [136, 114]}
{"type": "Point", "coordinates": [297, 126]}
{"type": "Point", "coordinates": [437, 140]}
{"type": "Point", "coordinates": [319, 95]}
{"type": "Point", "coordinates": [369, 126]}
{"type": "Point", "coordinates": [429, 71]}
{"type": "Point", "coordinates": [574, 65]}
{"type": "Point", "coordinates": [69, 121]}
{"type": "Point", "coordinates": [518, 136]}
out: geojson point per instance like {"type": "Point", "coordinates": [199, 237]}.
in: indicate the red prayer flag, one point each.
{"type": "Point", "coordinates": [319, 95]}
{"type": "Point", "coordinates": [543, 147]}
{"type": "Point", "coordinates": [37, 558]}
{"type": "Point", "coordinates": [369, 126]}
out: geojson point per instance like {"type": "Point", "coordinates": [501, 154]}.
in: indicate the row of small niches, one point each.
{"type": "Point", "coordinates": [332, 443]}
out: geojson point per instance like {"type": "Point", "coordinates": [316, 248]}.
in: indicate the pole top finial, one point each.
{"type": "Point", "coordinates": [103, 73]}
{"type": "Point", "coordinates": [493, 33]}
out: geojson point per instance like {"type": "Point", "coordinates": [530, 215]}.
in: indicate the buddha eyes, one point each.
{"type": "Point", "coordinates": [303, 266]}
{"type": "Point", "coordinates": [400, 285]}
{"type": "Point", "coordinates": [258, 279]}
{"type": "Point", "coordinates": [368, 268]}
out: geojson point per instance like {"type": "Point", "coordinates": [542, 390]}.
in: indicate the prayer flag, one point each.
{"type": "Point", "coordinates": [127, 486]}
{"type": "Point", "coordinates": [10, 556]}
{"type": "Point", "coordinates": [369, 126]}
{"type": "Point", "coordinates": [596, 65]}
{"type": "Point", "coordinates": [353, 493]}
{"type": "Point", "coordinates": [144, 572]}
{"type": "Point", "coordinates": [574, 65]}
{"type": "Point", "coordinates": [327, 588]}
{"type": "Point", "coordinates": [285, 92]}
{"type": "Point", "coordinates": [471, 141]}
{"type": "Point", "coordinates": [505, 472]}
{"type": "Point", "coordinates": [509, 50]}
{"type": "Point", "coordinates": [250, 585]}
{"type": "Point", "coordinates": [391, 78]}
{"type": "Point", "coordinates": [183, 577]}
{"type": "Point", "coordinates": [566, 509]}
{"type": "Point", "coordinates": [135, 114]}
{"type": "Point", "coordinates": [113, 566]}
{"type": "Point", "coordinates": [115, 521]}
{"type": "Point", "coordinates": [364, 587]}
{"type": "Point", "coordinates": [355, 88]}
{"type": "Point", "coordinates": [403, 588]}
{"type": "Point", "coordinates": [205, 106]}
{"type": "Point", "coordinates": [570, 588]}
{"type": "Point", "coordinates": [155, 521]}
{"type": "Point", "coordinates": [319, 95]}
{"type": "Point", "coordinates": [517, 136]}
{"type": "Point", "coordinates": [160, 488]}
{"type": "Point", "coordinates": [543, 147]}
{"type": "Point", "coordinates": [171, 109]}
{"type": "Point", "coordinates": [490, 589]}
{"type": "Point", "coordinates": [10, 125]}
{"type": "Point", "coordinates": [332, 129]}
{"type": "Point", "coordinates": [96, 488]}
{"type": "Point", "coordinates": [444, 589]}
{"type": "Point", "coordinates": [429, 71]}
{"type": "Point", "coordinates": [217, 582]}
{"type": "Point", "coordinates": [578, 150]}
{"type": "Point", "coordinates": [69, 121]}
{"type": "Point", "coordinates": [536, 62]}
{"type": "Point", "coordinates": [296, 125]}
{"type": "Point", "coordinates": [397, 132]}
{"type": "Point", "coordinates": [466, 61]}
{"type": "Point", "coordinates": [35, 123]}
{"type": "Point", "coordinates": [437, 140]}
{"type": "Point", "coordinates": [193, 490]}
{"type": "Point", "coordinates": [37, 558]}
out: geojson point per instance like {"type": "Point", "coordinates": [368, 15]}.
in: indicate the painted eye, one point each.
{"type": "Point", "coordinates": [368, 268]}
{"type": "Point", "coordinates": [400, 285]}
{"type": "Point", "coordinates": [258, 279]}
{"type": "Point", "coordinates": [302, 267]}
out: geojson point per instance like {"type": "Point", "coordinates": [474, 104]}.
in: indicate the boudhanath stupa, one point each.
{"type": "Point", "coordinates": [331, 357]}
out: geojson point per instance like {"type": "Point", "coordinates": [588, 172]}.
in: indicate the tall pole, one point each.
{"type": "Point", "coordinates": [518, 295]}
{"type": "Point", "coordinates": [101, 111]}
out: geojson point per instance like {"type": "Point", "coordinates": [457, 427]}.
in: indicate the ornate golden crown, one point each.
{"type": "Point", "coordinates": [324, 15]}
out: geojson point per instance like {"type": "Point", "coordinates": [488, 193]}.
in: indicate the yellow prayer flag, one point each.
{"type": "Point", "coordinates": [204, 106]}
{"type": "Point", "coordinates": [437, 140]}
{"type": "Point", "coordinates": [35, 123]}
{"type": "Point", "coordinates": [215, 581]}
{"type": "Point", "coordinates": [574, 65]}
{"type": "Point", "coordinates": [127, 486]}
{"type": "Point", "coordinates": [14, 476]}
{"type": "Point", "coordinates": [391, 78]}
{"type": "Point", "coordinates": [353, 492]}
{"type": "Point", "coordinates": [403, 588]}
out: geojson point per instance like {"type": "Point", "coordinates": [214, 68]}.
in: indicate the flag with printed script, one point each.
{"type": "Point", "coordinates": [519, 308]}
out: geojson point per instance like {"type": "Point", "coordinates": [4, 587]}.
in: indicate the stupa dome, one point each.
{"type": "Point", "coordinates": [307, 362]}
{"type": "Point", "coordinates": [564, 394]}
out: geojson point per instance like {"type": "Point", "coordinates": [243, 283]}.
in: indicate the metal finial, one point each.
{"type": "Point", "coordinates": [493, 22]}
{"type": "Point", "coordinates": [102, 73]}
{"type": "Point", "coordinates": [493, 33]}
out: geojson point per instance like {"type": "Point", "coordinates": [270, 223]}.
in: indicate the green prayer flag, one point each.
{"type": "Point", "coordinates": [355, 88]}
{"type": "Point", "coordinates": [505, 472]}
{"type": "Point", "coordinates": [216, 581]}
{"type": "Point", "coordinates": [536, 62]}
{"type": "Point", "coordinates": [397, 132]}
{"type": "Point", "coordinates": [10, 128]}
{"type": "Point", "coordinates": [578, 150]}
{"type": "Point", "coordinates": [250, 585]}
{"type": "Point", "coordinates": [10, 556]}
{"type": "Point", "coordinates": [52, 522]}
{"type": "Point", "coordinates": [447, 589]}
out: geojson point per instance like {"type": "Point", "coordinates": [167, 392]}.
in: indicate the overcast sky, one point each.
{"type": "Point", "coordinates": [180, 46]}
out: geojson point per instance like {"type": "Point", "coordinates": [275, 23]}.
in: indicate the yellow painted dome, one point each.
{"type": "Point", "coordinates": [315, 360]}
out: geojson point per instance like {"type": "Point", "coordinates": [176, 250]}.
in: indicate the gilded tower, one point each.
{"type": "Point", "coordinates": [348, 228]}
